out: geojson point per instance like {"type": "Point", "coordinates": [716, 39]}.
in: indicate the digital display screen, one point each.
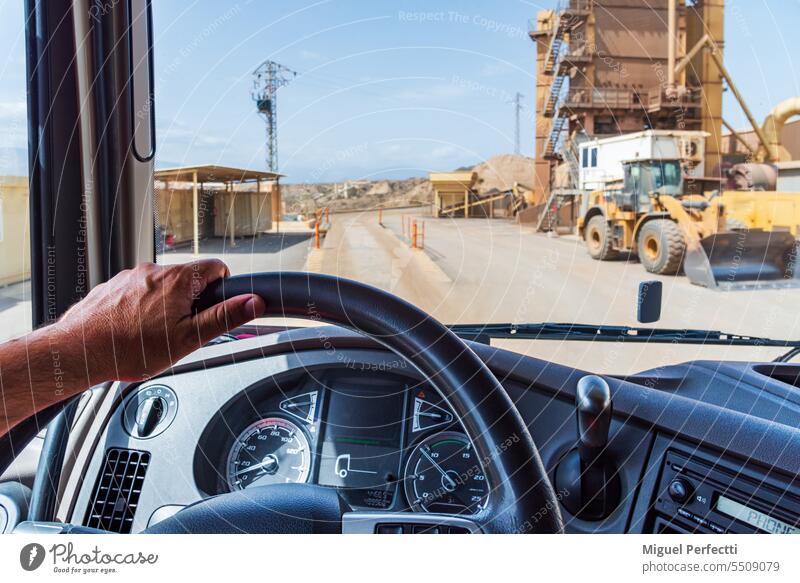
{"type": "Point", "coordinates": [754, 517]}
{"type": "Point", "coordinates": [362, 441]}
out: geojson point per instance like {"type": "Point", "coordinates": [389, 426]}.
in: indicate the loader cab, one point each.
{"type": "Point", "coordinates": [644, 177]}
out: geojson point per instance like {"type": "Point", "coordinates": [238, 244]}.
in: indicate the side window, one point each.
{"type": "Point", "coordinates": [15, 269]}
{"type": "Point", "coordinates": [594, 157]}
{"type": "Point", "coordinates": [631, 178]}
{"type": "Point", "coordinates": [659, 174]}
{"type": "Point", "coordinates": [585, 158]}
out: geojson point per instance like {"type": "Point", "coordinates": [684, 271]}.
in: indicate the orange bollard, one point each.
{"type": "Point", "coordinates": [422, 246]}
{"type": "Point", "coordinates": [327, 214]}
{"type": "Point", "coordinates": [403, 218]}
{"type": "Point", "coordinates": [414, 234]}
{"type": "Point", "coordinates": [316, 235]}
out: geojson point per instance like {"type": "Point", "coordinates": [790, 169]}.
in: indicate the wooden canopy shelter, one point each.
{"type": "Point", "coordinates": [197, 176]}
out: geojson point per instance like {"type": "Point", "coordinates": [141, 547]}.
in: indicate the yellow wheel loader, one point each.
{"type": "Point", "coordinates": [651, 215]}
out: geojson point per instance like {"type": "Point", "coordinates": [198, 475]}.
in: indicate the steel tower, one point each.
{"type": "Point", "coordinates": [267, 79]}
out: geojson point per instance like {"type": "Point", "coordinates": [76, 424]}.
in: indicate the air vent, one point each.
{"type": "Point", "coordinates": [116, 494]}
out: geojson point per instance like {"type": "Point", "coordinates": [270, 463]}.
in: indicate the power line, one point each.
{"type": "Point", "coordinates": [267, 79]}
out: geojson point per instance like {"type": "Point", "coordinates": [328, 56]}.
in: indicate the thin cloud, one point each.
{"type": "Point", "coordinates": [433, 93]}
{"type": "Point", "coordinates": [307, 55]}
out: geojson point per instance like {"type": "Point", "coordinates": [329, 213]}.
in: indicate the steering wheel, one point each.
{"type": "Point", "coordinates": [521, 498]}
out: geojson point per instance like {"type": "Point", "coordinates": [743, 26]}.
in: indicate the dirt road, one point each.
{"type": "Point", "coordinates": [476, 270]}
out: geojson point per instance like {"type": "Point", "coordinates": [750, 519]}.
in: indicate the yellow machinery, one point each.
{"type": "Point", "coordinates": [766, 210]}
{"type": "Point", "coordinates": [758, 201]}
{"type": "Point", "coordinates": [771, 149]}
{"type": "Point", "coordinates": [652, 217]}
{"type": "Point", "coordinates": [764, 197]}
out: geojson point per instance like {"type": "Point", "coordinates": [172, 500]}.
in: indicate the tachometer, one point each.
{"type": "Point", "coordinates": [443, 474]}
{"type": "Point", "coordinates": [270, 451]}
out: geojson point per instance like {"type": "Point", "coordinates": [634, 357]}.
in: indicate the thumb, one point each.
{"type": "Point", "coordinates": [228, 315]}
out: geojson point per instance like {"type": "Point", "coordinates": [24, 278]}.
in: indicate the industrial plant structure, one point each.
{"type": "Point", "coordinates": [614, 67]}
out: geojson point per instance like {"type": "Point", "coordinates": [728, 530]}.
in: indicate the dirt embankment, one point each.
{"type": "Point", "coordinates": [501, 172]}
{"type": "Point", "coordinates": [357, 195]}
{"type": "Point", "coordinates": [497, 173]}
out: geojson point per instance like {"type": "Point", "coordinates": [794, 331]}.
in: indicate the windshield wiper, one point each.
{"type": "Point", "coordinates": [589, 332]}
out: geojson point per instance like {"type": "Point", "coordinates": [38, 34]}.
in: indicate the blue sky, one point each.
{"type": "Point", "coordinates": [384, 89]}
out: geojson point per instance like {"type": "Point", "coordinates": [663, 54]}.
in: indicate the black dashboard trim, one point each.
{"type": "Point", "coordinates": [675, 414]}
{"type": "Point", "coordinates": [751, 439]}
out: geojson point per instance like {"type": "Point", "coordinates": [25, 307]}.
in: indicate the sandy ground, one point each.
{"type": "Point", "coordinates": [480, 270]}
{"type": "Point", "coordinates": [476, 270]}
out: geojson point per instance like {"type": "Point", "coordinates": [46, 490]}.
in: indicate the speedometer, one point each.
{"type": "Point", "coordinates": [443, 474]}
{"type": "Point", "coordinates": [270, 451]}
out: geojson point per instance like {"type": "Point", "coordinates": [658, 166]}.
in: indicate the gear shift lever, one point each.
{"type": "Point", "coordinates": [587, 474]}
{"type": "Point", "coordinates": [593, 405]}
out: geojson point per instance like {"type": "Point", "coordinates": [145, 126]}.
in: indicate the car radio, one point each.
{"type": "Point", "coordinates": [695, 495]}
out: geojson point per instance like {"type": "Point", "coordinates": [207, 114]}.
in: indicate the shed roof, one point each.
{"type": "Point", "coordinates": [450, 179]}
{"type": "Point", "coordinates": [214, 173]}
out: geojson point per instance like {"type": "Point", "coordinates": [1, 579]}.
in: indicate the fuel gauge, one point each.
{"type": "Point", "coordinates": [443, 474]}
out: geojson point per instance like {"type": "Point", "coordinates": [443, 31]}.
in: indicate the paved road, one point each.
{"type": "Point", "coordinates": [269, 252]}
{"type": "Point", "coordinates": [15, 310]}
{"type": "Point", "coordinates": [475, 270]}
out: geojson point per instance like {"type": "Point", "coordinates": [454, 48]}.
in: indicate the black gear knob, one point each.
{"type": "Point", "coordinates": [594, 408]}
{"type": "Point", "coordinates": [587, 474]}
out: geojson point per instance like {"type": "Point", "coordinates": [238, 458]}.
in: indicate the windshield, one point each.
{"type": "Point", "coordinates": [420, 152]}
{"type": "Point", "coordinates": [666, 177]}
{"type": "Point", "coordinates": [434, 150]}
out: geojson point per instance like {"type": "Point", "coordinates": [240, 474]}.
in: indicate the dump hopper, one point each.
{"type": "Point", "coordinates": [746, 259]}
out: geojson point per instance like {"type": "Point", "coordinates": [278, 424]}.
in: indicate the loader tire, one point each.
{"type": "Point", "coordinates": [598, 239]}
{"type": "Point", "coordinates": [735, 225]}
{"type": "Point", "coordinates": [661, 247]}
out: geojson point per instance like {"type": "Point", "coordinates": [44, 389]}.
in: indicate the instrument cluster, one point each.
{"type": "Point", "coordinates": [385, 442]}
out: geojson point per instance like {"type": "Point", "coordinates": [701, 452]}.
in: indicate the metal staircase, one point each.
{"type": "Point", "coordinates": [548, 220]}
{"type": "Point", "coordinates": [554, 99]}
{"type": "Point", "coordinates": [567, 18]}
{"type": "Point", "coordinates": [554, 137]}
{"type": "Point", "coordinates": [570, 156]}
{"type": "Point", "coordinates": [554, 53]}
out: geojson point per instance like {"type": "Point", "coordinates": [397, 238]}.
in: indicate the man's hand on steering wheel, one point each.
{"type": "Point", "coordinates": [132, 327]}
{"type": "Point", "coordinates": [140, 322]}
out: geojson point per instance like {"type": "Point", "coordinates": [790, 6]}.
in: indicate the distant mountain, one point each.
{"type": "Point", "coordinates": [356, 195]}
{"type": "Point", "coordinates": [497, 173]}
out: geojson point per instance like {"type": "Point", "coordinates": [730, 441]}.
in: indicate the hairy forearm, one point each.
{"type": "Point", "coordinates": [130, 328]}
{"type": "Point", "coordinates": [38, 370]}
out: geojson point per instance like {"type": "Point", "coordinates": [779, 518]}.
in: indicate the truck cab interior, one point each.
{"type": "Point", "coordinates": [372, 417]}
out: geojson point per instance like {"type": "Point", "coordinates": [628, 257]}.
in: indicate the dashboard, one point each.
{"type": "Point", "coordinates": [368, 426]}
{"type": "Point", "coordinates": [696, 447]}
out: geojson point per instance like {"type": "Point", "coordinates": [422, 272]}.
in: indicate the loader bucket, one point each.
{"type": "Point", "coordinates": [746, 259]}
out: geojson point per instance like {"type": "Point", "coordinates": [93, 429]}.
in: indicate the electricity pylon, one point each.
{"type": "Point", "coordinates": [267, 79]}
